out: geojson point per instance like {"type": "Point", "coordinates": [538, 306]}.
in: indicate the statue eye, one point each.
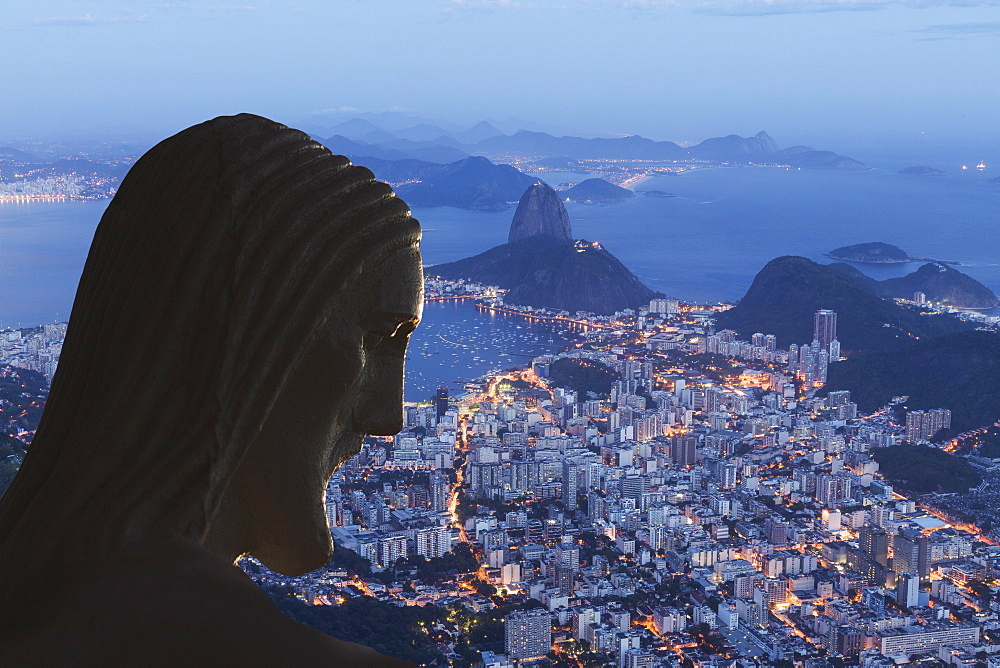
{"type": "Point", "coordinates": [374, 339]}
{"type": "Point", "coordinates": [397, 335]}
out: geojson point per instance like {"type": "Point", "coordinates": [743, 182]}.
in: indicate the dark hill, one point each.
{"type": "Point", "coordinates": [922, 170]}
{"type": "Point", "coordinates": [478, 132]}
{"type": "Point", "coordinates": [431, 151]}
{"type": "Point", "coordinates": [355, 129]}
{"type": "Point", "coordinates": [394, 149]}
{"type": "Point", "coordinates": [807, 158]}
{"type": "Point", "coordinates": [473, 183]}
{"type": "Point", "coordinates": [789, 290]}
{"type": "Point", "coordinates": [354, 149]}
{"type": "Point", "coordinates": [541, 265]}
{"type": "Point", "coordinates": [955, 371]}
{"type": "Point", "coordinates": [542, 271]}
{"type": "Point", "coordinates": [539, 211]}
{"type": "Point", "coordinates": [875, 252]}
{"type": "Point", "coordinates": [941, 284]}
{"type": "Point", "coordinates": [597, 190]}
{"type": "Point", "coordinates": [421, 132]}
{"type": "Point", "coordinates": [735, 148]}
{"type": "Point", "coordinates": [9, 154]}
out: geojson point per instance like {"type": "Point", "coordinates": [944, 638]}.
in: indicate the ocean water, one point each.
{"type": "Point", "coordinates": [706, 244]}
{"type": "Point", "coordinates": [456, 342]}
{"type": "Point", "coordinates": [43, 246]}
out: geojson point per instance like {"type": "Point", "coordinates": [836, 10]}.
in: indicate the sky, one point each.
{"type": "Point", "coordinates": [807, 71]}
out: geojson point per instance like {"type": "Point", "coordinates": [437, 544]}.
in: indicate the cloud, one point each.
{"type": "Point", "coordinates": [338, 110]}
{"type": "Point", "coordinates": [86, 20]}
{"type": "Point", "coordinates": [724, 7]}
{"type": "Point", "coordinates": [770, 7]}
{"type": "Point", "coordinates": [186, 4]}
{"type": "Point", "coordinates": [500, 5]}
{"type": "Point", "coordinates": [958, 30]}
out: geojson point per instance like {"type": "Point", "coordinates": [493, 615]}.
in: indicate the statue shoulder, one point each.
{"type": "Point", "coordinates": [176, 605]}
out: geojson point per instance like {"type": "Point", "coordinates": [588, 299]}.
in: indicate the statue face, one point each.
{"type": "Point", "coordinates": [348, 382]}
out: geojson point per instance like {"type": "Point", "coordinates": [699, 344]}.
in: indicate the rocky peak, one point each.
{"type": "Point", "coordinates": [540, 211]}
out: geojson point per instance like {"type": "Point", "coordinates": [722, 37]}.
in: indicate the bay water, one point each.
{"type": "Point", "coordinates": [703, 245]}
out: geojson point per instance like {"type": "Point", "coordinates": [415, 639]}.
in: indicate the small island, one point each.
{"type": "Point", "coordinates": [597, 190]}
{"type": "Point", "coordinates": [875, 252]}
{"type": "Point", "coordinates": [657, 193]}
{"type": "Point", "coordinates": [922, 170]}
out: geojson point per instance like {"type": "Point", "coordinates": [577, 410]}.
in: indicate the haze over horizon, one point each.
{"type": "Point", "coordinates": [837, 73]}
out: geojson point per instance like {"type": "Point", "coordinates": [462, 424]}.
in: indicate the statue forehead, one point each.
{"type": "Point", "coordinates": [395, 284]}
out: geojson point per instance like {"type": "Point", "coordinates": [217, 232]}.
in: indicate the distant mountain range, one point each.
{"type": "Point", "coordinates": [471, 183]}
{"type": "Point", "coordinates": [407, 155]}
{"type": "Point", "coordinates": [541, 265]}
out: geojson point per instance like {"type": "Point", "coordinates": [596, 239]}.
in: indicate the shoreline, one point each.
{"type": "Point", "coordinates": [956, 263]}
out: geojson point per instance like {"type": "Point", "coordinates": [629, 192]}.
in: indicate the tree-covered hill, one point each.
{"type": "Point", "coordinates": [384, 627]}
{"type": "Point", "coordinates": [922, 469]}
{"type": "Point", "coordinates": [789, 290]}
{"type": "Point", "coordinates": [542, 271]}
{"type": "Point", "coordinates": [582, 376]}
{"type": "Point", "coordinates": [958, 371]}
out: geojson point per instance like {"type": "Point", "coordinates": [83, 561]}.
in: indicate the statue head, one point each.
{"type": "Point", "coordinates": [240, 324]}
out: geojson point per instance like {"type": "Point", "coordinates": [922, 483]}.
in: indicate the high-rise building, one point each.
{"type": "Point", "coordinates": [528, 634]}
{"type": "Point", "coordinates": [727, 476]}
{"type": "Point", "coordinates": [567, 563]}
{"type": "Point", "coordinates": [846, 640]}
{"type": "Point", "coordinates": [571, 483]}
{"type": "Point", "coordinates": [873, 598]}
{"type": "Point", "coordinates": [825, 328]}
{"type": "Point", "coordinates": [441, 402]}
{"type": "Point", "coordinates": [583, 620]}
{"type": "Point", "coordinates": [634, 486]}
{"type": "Point", "coordinates": [683, 449]}
{"type": "Point", "coordinates": [432, 541]}
{"type": "Point", "coordinates": [793, 358]}
{"type": "Point", "coordinates": [440, 490]}
{"type": "Point", "coordinates": [874, 544]}
{"type": "Point", "coordinates": [922, 425]}
{"type": "Point", "coordinates": [390, 549]}
{"type": "Point", "coordinates": [908, 590]}
{"type": "Point", "coordinates": [911, 553]}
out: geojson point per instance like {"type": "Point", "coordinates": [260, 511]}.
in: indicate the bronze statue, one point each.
{"type": "Point", "coordinates": [240, 324]}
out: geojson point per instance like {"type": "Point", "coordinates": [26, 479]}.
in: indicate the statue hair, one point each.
{"type": "Point", "coordinates": [227, 247]}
